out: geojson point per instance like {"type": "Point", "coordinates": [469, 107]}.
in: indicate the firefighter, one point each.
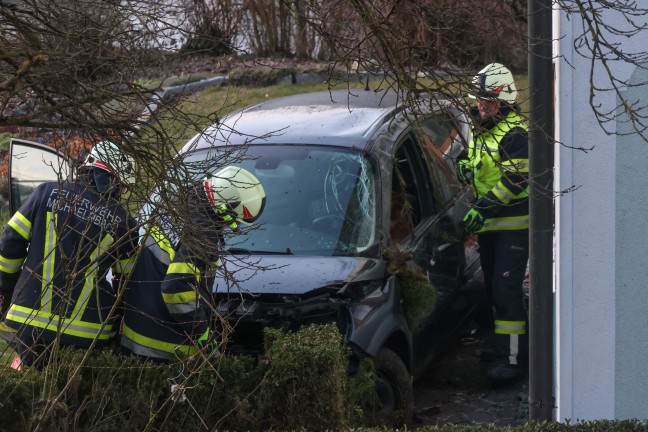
{"type": "Point", "coordinates": [56, 252]}
{"type": "Point", "coordinates": [167, 305]}
{"type": "Point", "coordinates": [496, 165]}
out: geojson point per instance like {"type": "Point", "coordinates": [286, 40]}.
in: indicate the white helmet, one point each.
{"type": "Point", "coordinates": [238, 190]}
{"type": "Point", "coordinates": [495, 81]}
{"type": "Point", "coordinates": [106, 156]}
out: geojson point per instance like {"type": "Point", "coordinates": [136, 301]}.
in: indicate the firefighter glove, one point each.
{"type": "Point", "coordinates": [473, 221]}
{"type": "Point", "coordinates": [203, 340]}
{"type": "Point", "coordinates": [464, 173]}
{"type": "Point", "coordinates": [208, 344]}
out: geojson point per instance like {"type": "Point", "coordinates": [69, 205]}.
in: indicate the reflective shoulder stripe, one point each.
{"type": "Point", "coordinates": [21, 225]}
{"type": "Point", "coordinates": [155, 344]}
{"type": "Point", "coordinates": [47, 321]}
{"type": "Point", "coordinates": [9, 265]}
{"type": "Point", "coordinates": [510, 327]}
{"type": "Point", "coordinates": [162, 241]}
{"type": "Point", "coordinates": [125, 265]}
{"type": "Point", "coordinates": [184, 268]}
{"type": "Point", "coordinates": [181, 297]}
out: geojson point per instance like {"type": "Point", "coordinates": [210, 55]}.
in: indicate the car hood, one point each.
{"type": "Point", "coordinates": [257, 274]}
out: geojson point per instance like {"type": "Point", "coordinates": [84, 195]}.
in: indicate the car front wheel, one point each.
{"type": "Point", "coordinates": [395, 399]}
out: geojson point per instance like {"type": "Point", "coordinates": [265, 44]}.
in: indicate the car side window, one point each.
{"type": "Point", "coordinates": [439, 130]}
{"type": "Point", "coordinates": [412, 200]}
{"type": "Point", "coordinates": [442, 141]}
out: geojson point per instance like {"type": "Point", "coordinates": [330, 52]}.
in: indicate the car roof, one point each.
{"type": "Point", "coordinates": [341, 117]}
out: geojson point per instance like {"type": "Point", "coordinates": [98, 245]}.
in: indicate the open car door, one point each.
{"type": "Point", "coordinates": [31, 164]}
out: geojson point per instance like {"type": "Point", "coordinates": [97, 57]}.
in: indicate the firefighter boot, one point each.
{"type": "Point", "coordinates": [510, 358]}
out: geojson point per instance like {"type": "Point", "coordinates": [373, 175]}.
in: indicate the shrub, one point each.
{"type": "Point", "coordinates": [301, 382]}
{"type": "Point", "coordinates": [306, 381]}
{"type": "Point", "coordinates": [258, 77]}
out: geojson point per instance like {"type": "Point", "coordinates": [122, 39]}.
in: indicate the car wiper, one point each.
{"type": "Point", "coordinates": [242, 251]}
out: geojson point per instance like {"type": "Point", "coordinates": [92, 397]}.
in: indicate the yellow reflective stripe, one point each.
{"type": "Point", "coordinates": [47, 321]}
{"type": "Point", "coordinates": [184, 268]}
{"type": "Point", "coordinates": [502, 193]}
{"type": "Point", "coordinates": [227, 218]}
{"type": "Point", "coordinates": [181, 297]}
{"type": "Point", "coordinates": [506, 223]}
{"type": "Point", "coordinates": [157, 344]}
{"type": "Point", "coordinates": [125, 265]}
{"type": "Point", "coordinates": [9, 265]}
{"type": "Point", "coordinates": [48, 262]}
{"type": "Point", "coordinates": [90, 276]}
{"type": "Point", "coordinates": [162, 241]}
{"type": "Point", "coordinates": [5, 328]}
{"type": "Point", "coordinates": [21, 225]}
{"type": "Point", "coordinates": [151, 245]}
{"type": "Point", "coordinates": [510, 327]}
{"type": "Point", "coordinates": [517, 165]}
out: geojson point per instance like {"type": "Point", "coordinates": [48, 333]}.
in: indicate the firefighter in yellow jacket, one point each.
{"type": "Point", "coordinates": [56, 252]}
{"type": "Point", "coordinates": [168, 311]}
{"type": "Point", "coordinates": [496, 164]}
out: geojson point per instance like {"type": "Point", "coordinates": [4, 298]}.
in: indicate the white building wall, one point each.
{"type": "Point", "coordinates": [594, 310]}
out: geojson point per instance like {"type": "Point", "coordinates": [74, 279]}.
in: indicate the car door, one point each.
{"type": "Point", "coordinates": [422, 226]}
{"type": "Point", "coordinates": [31, 164]}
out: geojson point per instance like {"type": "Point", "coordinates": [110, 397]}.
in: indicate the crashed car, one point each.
{"type": "Point", "coordinates": [362, 226]}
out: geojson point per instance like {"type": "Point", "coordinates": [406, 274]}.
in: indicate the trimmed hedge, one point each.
{"type": "Point", "coordinates": [258, 77]}
{"type": "Point", "coordinates": [301, 382]}
{"type": "Point", "coordinates": [589, 426]}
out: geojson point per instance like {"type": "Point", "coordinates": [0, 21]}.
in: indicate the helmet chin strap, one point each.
{"type": "Point", "coordinates": [103, 182]}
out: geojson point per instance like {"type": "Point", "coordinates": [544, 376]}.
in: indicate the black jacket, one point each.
{"type": "Point", "coordinates": [167, 304]}
{"type": "Point", "coordinates": [55, 254]}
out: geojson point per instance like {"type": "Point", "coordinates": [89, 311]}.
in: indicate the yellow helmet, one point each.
{"type": "Point", "coordinates": [110, 167]}
{"type": "Point", "coordinates": [238, 190]}
{"type": "Point", "coordinates": [495, 81]}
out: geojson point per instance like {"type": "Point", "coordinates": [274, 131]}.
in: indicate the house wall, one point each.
{"type": "Point", "coordinates": [631, 373]}
{"type": "Point", "coordinates": [601, 232]}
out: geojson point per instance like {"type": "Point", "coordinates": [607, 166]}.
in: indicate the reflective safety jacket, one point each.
{"type": "Point", "coordinates": [498, 158]}
{"type": "Point", "coordinates": [167, 301]}
{"type": "Point", "coordinates": [55, 254]}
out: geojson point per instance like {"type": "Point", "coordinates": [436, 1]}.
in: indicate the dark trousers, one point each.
{"type": "Point", "coordinates": [35, 350]}
{"type": "Point", "coordinates": [32, 349]}
{"type": "Point", "coordinates": [504, 256]}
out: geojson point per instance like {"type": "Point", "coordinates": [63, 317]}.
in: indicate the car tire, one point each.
{"type": "Point", "coordinates": [393, 384]}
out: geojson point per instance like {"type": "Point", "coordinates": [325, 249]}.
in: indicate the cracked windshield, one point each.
{"type": "Point", "coordinates": [319, 201]}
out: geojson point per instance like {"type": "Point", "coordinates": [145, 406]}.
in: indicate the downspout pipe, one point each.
{"type": "Point", "coordinates": [541, 214]}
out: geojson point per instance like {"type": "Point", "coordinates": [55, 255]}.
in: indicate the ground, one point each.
{"type": "Point", "coordinates": [454, 390]}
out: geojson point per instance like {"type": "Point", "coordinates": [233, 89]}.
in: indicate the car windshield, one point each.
{"type": "Point", "coordinates": [319, 200]}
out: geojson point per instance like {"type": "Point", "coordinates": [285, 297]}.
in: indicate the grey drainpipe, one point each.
{"type": "Point", "coordinates": [541, 150]}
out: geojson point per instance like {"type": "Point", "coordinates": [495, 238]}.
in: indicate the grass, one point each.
{"type": "Point", "coordinates": [203, 108]}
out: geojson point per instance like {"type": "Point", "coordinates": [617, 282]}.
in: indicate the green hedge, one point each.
{"type": "Point", "coordinates": [590, 426]}
{"type": "Point", "coordinates": [301, 382]}
{"type": "Point", "coordinates": [258, 77]}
